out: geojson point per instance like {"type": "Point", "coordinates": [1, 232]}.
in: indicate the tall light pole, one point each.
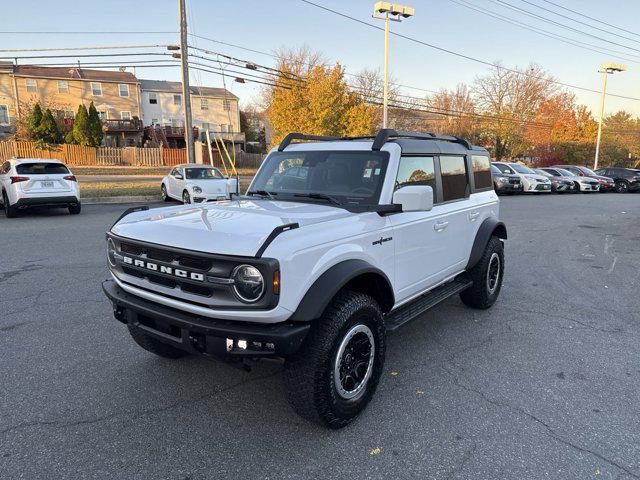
{"type": "Point", "coordinates": [186, 92]}
{"type": "Point", "coordinates": [606, 69]}
{"type": "Point", "coordinates": [389, 11]}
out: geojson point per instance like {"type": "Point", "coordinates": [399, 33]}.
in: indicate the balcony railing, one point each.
{"type": "Point", "coordinates": [131, 125]}
{"type": "Point", "coordinates": [238, 137]}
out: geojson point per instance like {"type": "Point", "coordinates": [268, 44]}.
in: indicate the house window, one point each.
{"type": "Point", "coordinates": [4, 114]}
{"type": "Point", "coordinates": [204, 104]}
{"type": "Point", "coordinates": [123, 89]}
{"type": "Point", "coordinates": [153, 98]}
{"type": "Point", "coordinates": [103, 115]}
{"type": "Point", "coordinates": [226, 105]}
{"type": "Point", "coordinates": [155, 121]}
{"type": "Point", "coordinates": [205, 126]}
{"type": "Point", "coordinates": [223, 128]}
{"type": "Point", "coordinates": [63, 86]}
{"type": "Point", "coordinates": [176, 122]}
{"type": "Point", "coordinates": [177, 99]}
{"type": "Point", "coordinates": [69, 114]}
{"type": "Point", "coordinates": [125, 115]}
{"type": "Point", "coordinates": [96, 89]}
{"type": "Point", "coordinates": [32, 85]}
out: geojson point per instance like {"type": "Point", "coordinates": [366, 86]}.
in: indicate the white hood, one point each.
{"type": "Point", "coordinates": [235, 227]}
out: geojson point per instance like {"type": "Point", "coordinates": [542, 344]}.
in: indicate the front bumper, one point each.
{"type": "Point", "coordinates": [206, 198]}
{"type": "Point", "coordinates": [508, 187]}
{"type": "Point", "coordinates": [203, 335]}
{"type": "Point", "coordinates": [66, 201]}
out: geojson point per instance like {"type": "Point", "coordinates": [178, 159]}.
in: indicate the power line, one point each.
{"type": "Point", "coordinates": [83, 32]}
{"type": "Point", "coordinates": [591, 18]}
{"type": "Point", "coordinates": [462, 55]}
{"type": "Point", "coordinates": [62, 49]}
{"type": "Point", "coordinates": [137, 54]}
{"type": "Point", "coordinates": [546, 33]}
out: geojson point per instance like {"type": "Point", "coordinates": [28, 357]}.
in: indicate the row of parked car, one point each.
{"type": "Point", "coordinates": [509, 177]}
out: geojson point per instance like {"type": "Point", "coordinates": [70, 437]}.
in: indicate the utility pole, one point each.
{"type": "Point", "coordinates": [606, 69]}
{"type": "Point", "coordinates": [388, 11]}
{"type": "Point", "coordinates": [186, 92]}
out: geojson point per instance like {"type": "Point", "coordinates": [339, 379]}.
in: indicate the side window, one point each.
{"type": "Point", "coordinates": [481, 172]}
{"type": "Point", "coordinates": [416, 171]}
{"type": "Point", "coordinates": [454, 178]}
{"type": "Point", "coordinates": [6, 166]}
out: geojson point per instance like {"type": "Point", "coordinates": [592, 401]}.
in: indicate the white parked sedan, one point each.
{"type": "Point", "coordinates": [37, 182]}
{"type": "Point", "coordinates": [192, 183]}
{"type": "Point", "coordinates": [532, 182]}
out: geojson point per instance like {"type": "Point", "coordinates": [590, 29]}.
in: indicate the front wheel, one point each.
{"type": "Point", "coordinates": [335, 374]}
{"type": "Point", "coordinates": [163, 193]}
{"type": "Point", "coordinates": [486, 276]}
{"type": "Point", "coordinates": [186, 198]}
{"type": "Point", "coordinates": [9, 211]}
{"type": "Point", "coordinates": [622, 187]}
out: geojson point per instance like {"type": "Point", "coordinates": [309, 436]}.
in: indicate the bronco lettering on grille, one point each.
{"type": "Point", "coordinates": [176, 272]}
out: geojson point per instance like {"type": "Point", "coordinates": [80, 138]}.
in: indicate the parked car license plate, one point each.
{"type": "Point", "coordinates": [45, 184]}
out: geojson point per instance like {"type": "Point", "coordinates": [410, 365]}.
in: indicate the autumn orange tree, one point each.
{"type": "Point", "coordinates": [314, 98]}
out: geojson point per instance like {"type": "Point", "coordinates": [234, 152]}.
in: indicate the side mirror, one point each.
{"type": "Point", "coordinates": [178, 176]}
{"type": "Point", "coordinates": [414, 198]}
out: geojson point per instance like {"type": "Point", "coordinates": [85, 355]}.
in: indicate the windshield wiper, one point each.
{"type": "Point", "coordinates": [318, 196]}
{"type": "Point", "coordinates": [263, 193]}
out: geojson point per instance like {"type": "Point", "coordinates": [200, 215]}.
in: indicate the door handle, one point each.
{"type": "Point", "coordinates": [439, 226]}
{"type": "Point", "coordinates": [474, 215]}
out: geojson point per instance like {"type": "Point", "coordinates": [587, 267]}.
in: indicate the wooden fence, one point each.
{"type": "Point", "coordinates": [105, 156]}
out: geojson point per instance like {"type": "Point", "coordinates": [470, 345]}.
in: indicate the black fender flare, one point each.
{"type": "Point", "coordinates": [487, 229]}
{"type": "Point", "coordinates": [327, 285]}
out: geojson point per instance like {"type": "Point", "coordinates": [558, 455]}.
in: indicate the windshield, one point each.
{"type": "Point", "coordinates": [587, 171]}
{"type": "Point", "coordinates": [503, 168]}
{"type": "Point", "coordinates": [495, 169]}
{"type": "Point", "coordinates": [520, 168]}
{"type": "Point", "coordinates": [41, 169]}
{"type": "Point", "coordinates": [202, 173]}
{"type": "Point", "coordinates": [351, 177]}
{"type": "Point", "coordinates": [543, 172]}
{"type": "Point", "coordinates": [564, 173]}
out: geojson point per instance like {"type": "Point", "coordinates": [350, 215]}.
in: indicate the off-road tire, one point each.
{"type": "Point", "coordinates": [163, 193]}
{"type": "Point", "coordinates": [9, 211]}
{"type": "Point", "coordinates": [75, 209]}
{"type": "Point", "coordinates": [479, 294]}
{"type": "Point", "coordinates": [309, 374]}
{"type": "Point", "coordinates": [152, 345]}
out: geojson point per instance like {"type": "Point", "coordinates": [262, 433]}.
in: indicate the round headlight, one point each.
{"type": "Point", "coordinates": [248, 283]}
{"type": "Point", "coordinates": [196, 189]}
{"type": "Point", "coordinates": [111, 252]}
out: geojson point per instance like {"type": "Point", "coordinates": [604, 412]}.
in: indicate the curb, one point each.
{"type": "Point", "coordinates": [124, 199]}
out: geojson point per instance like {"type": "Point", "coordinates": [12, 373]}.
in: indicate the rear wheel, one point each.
{"type": "Point", "coordinates": [622, 186]}
{"type": "Point", "coordinates": [335, 374]}
{"type": "Point", "coordinates": [186, 198]}
{"type": "Point", "coordinates": [9, 211]}
{"type": "Point", "coordinates": [486, 276]}
{"type": "Point", "coordinates": [153, 345]}
{"type": "Point", "coordinates": [75, 209]}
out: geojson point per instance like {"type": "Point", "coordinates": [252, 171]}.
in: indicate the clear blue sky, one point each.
{"type": "Point", "coordinates": [269, 25]}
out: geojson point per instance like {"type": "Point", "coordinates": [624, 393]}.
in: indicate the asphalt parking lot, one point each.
{"type": "Point", "coordinates": [544, 385]}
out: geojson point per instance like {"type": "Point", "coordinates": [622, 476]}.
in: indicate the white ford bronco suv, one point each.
{"type": "Point", "coordinates": [337, 242]}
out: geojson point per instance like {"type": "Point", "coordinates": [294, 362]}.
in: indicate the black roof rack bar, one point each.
{"type": "Point", "coordinates": [386, 133]}
{"type": "Point", "coordinates": [286, 141]}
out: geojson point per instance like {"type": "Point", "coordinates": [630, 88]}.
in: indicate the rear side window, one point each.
{"type": "Point", "coordinates": [41, 169]}
{"type": "Point", "coordinates": [481, 172]}
{"type": "Point", "coordinates": [416, 171]}
{"type": "Point", "coordinates": [454, 178]}
{"type": "Point", "coordinates": [6, 166]}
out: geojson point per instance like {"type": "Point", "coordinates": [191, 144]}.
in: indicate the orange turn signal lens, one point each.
{"type": "Point", "coordinates": [276, 282]}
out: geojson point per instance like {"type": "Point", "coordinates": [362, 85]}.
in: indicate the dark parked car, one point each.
{"type": "Point", "coordinates": [627, 179]}
{"type": "Point", "coordinates": [559, 184]}
{"type": "Point", "coordinates": [505, 182]}
{"type": "Point", "coordinates": [606, 183]}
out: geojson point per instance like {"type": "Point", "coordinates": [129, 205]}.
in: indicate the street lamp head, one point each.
{"type": "Point", "coordinates": [393, 9]}
{"type": "Point", "coordinates": [612, 67]}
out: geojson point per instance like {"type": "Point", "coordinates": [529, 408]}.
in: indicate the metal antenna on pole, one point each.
{"type": "Point", "coordinates": [186, 92]}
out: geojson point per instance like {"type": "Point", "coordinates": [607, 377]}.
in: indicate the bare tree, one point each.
{"type": "Point", "coordinates": [455, 113]}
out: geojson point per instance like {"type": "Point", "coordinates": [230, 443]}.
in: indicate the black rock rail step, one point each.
{"type": "Point", "coordinates": [405, 313]}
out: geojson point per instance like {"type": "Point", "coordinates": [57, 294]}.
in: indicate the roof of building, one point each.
{"type": "Point", "coordinates": [176, 87]}
{"type": "Point", "coordinates": [73, 73]}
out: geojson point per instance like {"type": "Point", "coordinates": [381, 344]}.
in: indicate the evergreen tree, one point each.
{"type": "Point", "coordinates": [94, 127]}
{"type": "Point", "coordinates": [48, 129]}
{"type": "Point", "coordinates": [33, 122]}
{"type": "Point", "coordinates": [80, 133]}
